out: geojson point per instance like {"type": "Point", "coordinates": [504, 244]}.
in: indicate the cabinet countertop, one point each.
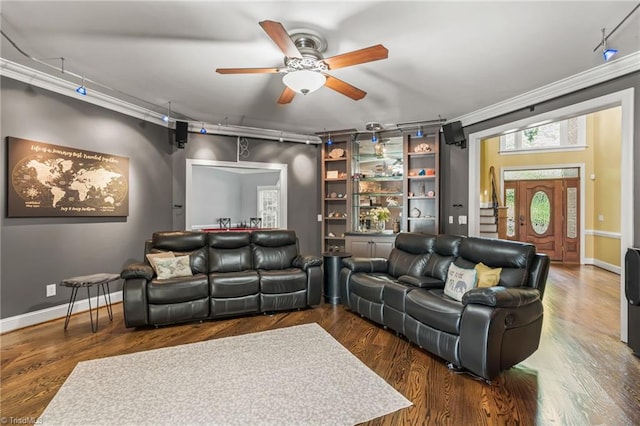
{"type": "Point", "coordinates": [371, 234]}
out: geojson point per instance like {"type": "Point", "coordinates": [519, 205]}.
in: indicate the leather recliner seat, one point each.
{"type": "Point", "coordinates": [490, 330]}
{"type": "Point", "coordinates": [233, 273]}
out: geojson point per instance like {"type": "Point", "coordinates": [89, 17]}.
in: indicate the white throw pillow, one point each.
{"type": "Point", "coordinates": [173, 267]}
{"type": "Point", "coordinates": [459, 281]}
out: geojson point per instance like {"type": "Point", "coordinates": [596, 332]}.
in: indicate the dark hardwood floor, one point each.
{"type": "Point", "coordinates": [581, 374]}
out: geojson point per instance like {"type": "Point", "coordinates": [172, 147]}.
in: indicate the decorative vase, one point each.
{"type": "Point", "coordinates": [379, 225]}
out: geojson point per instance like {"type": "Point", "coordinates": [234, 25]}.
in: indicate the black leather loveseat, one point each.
{"type": "Point", "coordinates": [227, 273]}
{"type": "Point", "coordinates": [489, 330]}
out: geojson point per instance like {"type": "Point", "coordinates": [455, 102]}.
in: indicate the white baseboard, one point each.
{"type": "Point", "coordinates": [54, 312]}
{"type": "Point", "coordinates": [604, 265]}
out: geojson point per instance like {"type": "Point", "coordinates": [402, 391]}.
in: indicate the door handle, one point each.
{"type": "Point", "coordinates": [521, 220]}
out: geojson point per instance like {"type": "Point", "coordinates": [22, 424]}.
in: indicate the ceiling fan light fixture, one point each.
{"type": "Point", "coordinates": [304, 81]}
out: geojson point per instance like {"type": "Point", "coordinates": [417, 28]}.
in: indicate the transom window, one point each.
{"type": "Point", "coordinates": [567, 134]}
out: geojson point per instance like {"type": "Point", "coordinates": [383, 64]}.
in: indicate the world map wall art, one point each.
{"type": "Point", "coordinates": [50, 180]}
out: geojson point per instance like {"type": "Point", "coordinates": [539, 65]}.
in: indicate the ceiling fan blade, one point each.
{"type": "Point", "coordinates": [286, 96]}
{"type": "Point", "coordinates": [368, 54]}
{"type": "Point", "coordinates": [247, 70]}
{"type": "Point", "coordinates": [344, 88]}
{"type": "Point", "coordinates": [279, 35]}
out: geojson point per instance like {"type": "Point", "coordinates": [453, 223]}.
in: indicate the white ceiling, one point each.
{"type": "Point", "coordinates": [446, 59]}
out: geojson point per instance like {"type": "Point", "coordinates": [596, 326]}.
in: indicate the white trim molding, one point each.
{"type": "Point", "coordinates": [604, 265]}
{"type": "Point", "coordinates": [601, 73]}
{"type": "Point", "coordinates": [63, 87]}
{"type": "Point", "coordinates": [605, 234]}
{"type": "Point", "coordinates": [54, 312]}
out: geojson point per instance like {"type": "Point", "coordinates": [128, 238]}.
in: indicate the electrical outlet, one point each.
{"type": "Point", "coordinates": [51, 290]}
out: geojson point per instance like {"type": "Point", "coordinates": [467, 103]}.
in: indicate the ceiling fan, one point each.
{"type": "Point", "coordinates": [305, 68]}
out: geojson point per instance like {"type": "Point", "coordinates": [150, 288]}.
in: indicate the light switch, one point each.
{"type": "Point", "coordinates": [462, 220]}
{"type": "Point", "coordinates": [450, 219]}
{"type": "Point", "coordinates": [319, 218]}
{"type": "Point", "coordinates": [601, 217]}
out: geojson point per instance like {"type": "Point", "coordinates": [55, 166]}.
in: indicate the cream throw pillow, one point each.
{"type": "Point", "coordinates": [151, 257]}
{"type": "Point", "coordinates": [487, 277]}
{"type": "Point", "coordinates": [173, 267]}
{"type": "Point", "coordinates": [459, 281]}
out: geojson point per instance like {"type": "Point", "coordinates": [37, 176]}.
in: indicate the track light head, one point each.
{"type": "Point", "coordinates": [82, 89]}
{"type": "Point", "coordinates": [203, 131]}
{"type": "Point", "coordinates": [608, 53]}
{"type": "Point", "coordinates": [374, 138]}
{"type": "Point", "coordinates": [419, 133]}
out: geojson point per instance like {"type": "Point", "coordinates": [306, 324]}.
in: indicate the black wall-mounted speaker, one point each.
{"type": "Point", "coordinates": [453, 134]}
{"type": "Point", "coordinates": [632, 276]}
{"type": "Point", "coordinates": [182, 132]}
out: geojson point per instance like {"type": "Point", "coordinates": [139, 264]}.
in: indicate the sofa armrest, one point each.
{"type": "Point", "coordinates": [365, 264]}
{"type": "Point", "coordinates": [305, 262]}
{"type": "Point", "coordinates": [137, 270]}
{"type": "Point", "coordinates": [501, 297]}
{"type": "Point", "coordinates": [422, 282]}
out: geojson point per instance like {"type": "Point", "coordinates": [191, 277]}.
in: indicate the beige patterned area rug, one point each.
{"type": "Point", "coordinates": [292, 376]}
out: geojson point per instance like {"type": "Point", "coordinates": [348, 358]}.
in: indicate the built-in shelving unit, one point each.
{"type": "Point", "coordinates": [422, 182]}
{"type": "Point", "coordinates": [336, 188]}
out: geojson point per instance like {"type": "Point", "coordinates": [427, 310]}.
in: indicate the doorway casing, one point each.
{"type": "Point", "coordinates": [624, 99]}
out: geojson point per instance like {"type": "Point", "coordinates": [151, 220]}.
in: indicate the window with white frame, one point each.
{"type": "Point", "coordinates": [562, 135]}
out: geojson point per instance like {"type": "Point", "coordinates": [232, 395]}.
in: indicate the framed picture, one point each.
{"type": "Point", "coordinates": [46, 180]}
{"type": "Point", "coordinates": [332, 174]}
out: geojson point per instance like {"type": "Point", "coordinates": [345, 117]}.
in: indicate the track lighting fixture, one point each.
{"type": "Point", "coordinates": [329, 140]}
{"type": "Point", "coordinates": [82, 89]}
{"type": "Point", "coordinates": [203, 130]}
{"type": "Point", "coordinates": [165, 118]}
{"type": "Point", "coordinates": [607, 53]}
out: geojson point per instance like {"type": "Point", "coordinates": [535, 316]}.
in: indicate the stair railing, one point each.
{"type": "Point", "coordinates": [499, 210]}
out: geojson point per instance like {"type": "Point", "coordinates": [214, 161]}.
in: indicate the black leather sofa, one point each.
{"type": "Point", "coordinates": [233, 273]}
{"type": "Point", "coordinates": [488, 331]}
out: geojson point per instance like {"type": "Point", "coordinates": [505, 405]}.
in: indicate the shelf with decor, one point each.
{"type": "Point", "coordinates": [336, 185]}
{"type": "Point", "coordinates": [422, 181]}
{"type": "Point", "coordinates": [377, 183]}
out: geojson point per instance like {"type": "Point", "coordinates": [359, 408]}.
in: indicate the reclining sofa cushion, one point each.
{"type": "Point", "coordinates": [434, 308]}
{"type": "Point", "coordinates": [234, 285]}
{"type": "Point", "coordinates": [370, 286]}
{"type": "Point", "coordinates": [184, 242]}
{"type": "Point", "coordinates": [410, 255]}
{"type": "Point", "coordinates": [230, 265]}
{"type": "Point", "coordinates": [513, 257]}
{"type": "Point", "coordinates": [275, 249]}
{"type": "Point", "coordinates": [229, 252]}
{"type": "Point", "coordinates": [445, 251]}
{"type": "Point", "coordinates": [177, 290]}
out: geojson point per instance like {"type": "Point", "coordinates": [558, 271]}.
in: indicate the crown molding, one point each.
{"type": "Point", "coordinates": [588, 78]}
{"type": "Point", "coordinates": [58, 85]}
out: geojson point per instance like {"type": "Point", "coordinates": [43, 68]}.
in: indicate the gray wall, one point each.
{"type": "Point", "coordinates": [302, 171]}
{"type": "Point", "coordinates": [40, 251]}
{"type": "Point", "coordinates": [455, 161]}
